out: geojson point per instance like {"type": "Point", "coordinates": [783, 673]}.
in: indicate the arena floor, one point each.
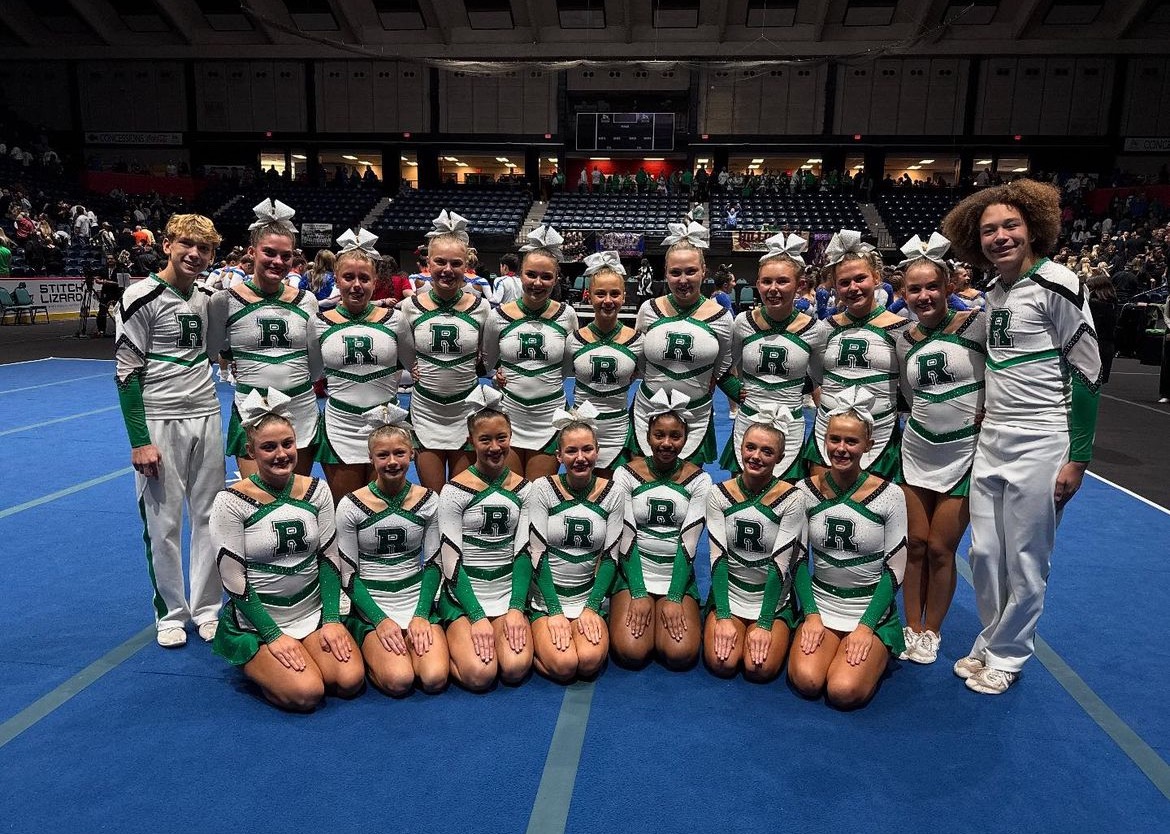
{"type": "Point", "coordinates": [100, 729]}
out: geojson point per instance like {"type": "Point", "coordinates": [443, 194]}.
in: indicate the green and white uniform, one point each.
{"type": "Point", "coordinates": [858, 555]}
{"type": "Point", "coordinates": [168, 400]}
{"type": "Point", "coordinates": [529, 346]}
{"type": "Point", "coordinates": [664, 516]}
{"type": "Point", "coordinates": [573, 541]}
{"type": "Point", "coordinates": [279, 565]}
{"type": "Point", "coordinates": [942, 379]}
{"type": "Point", "coordinates": [604, 367]}
{"type": "Point", "coordinates": [360, 355]}
{"type": "Point", "coordinates": [270, 343]}
{"type": "Point", "coordinates": [484, 547]}
{"type": "Point", "coordinates": [444, 342]}
{"type": "Point", "coordinates": [389, 556]}
{"type": "Point", "coordinates": [685, 350]}
{"type": "Point", "coordinates": [756, 543]}
{"type": "Point", "coordinates": [773, 359]}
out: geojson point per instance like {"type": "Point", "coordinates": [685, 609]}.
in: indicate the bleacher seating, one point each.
{"type": "Point", "coordinates": [815, 212]}
{"type": "Point", "coordinates": [908, 212]}
{"type": "Point", "coordinates": [343, 207]}
{"type": "Point", "coordinates": [489, 211]}
{"type": "Point", "coordinates": [646, 213]}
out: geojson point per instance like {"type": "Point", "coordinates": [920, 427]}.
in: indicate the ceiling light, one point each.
{"type": "Point", "coordinates": [702, 161]}
{"type": "Point", "coordinates": [349, 157]}
{"type": "Point", "coordinates": [1019, 170]}
{"type": "Point", "coordinates": [299, 156]}
{"type": "Point", "coordinates": [913, 167]}
{"type": "Point", "coordinates": [552, 159]}
{"type": "Point", "coordinates": [656, 159]}
{"type": "Point", "coordinates": [982, 161]}
{"type": "Point", "coordinates": [757, 161]}
{"type": "Point", "coordinates": [404, 159]}
{"type": "Point", "coordinates": [859, 167]}
{"type": "Point", "coordinates": [460, 164]}
{"type": "Point", "coordinates": [415, 164]}
{"type": "Point", "coordinates": [451, 158]}
{"type": "Point", "coordinates": [501, 159]}
{"type": "Point", "coordinates": [806, 167]}
{"type": "Point", "coordinates": [814, 162]}
{"type": "Point", "coordinates": [925, 161]}
{"type": "Point", "coordinates": [599, 159]}
{"type": "Point", "coordinates": [753, 166]}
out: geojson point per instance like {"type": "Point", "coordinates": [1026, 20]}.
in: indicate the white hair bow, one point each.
{"type": "Point", "coordinates": [845, 242]}
{"type": "Point", "coordinates": [484, 396]}
{"type": "Point", "coordinates": [776, 417]}
{"type": "Point", "coordinates": [273, 213]}
{"type": "Point", "coordinates": [857, 400]}
{"type": "Point", "coordinates": [792, 246]}
{"type": "Point", "coordinates": [545, 236]}
{"type": "Point", "coordinates": [693, 233]}
{"type": "Point", "coordinates": [604, 260]}
{"type": "Point", "coordinates": [934, 250]}
{"type": "Point", "coordinates": [586, 413]}
{"type": "Point", "coordinates": [385, 415]}
{"type": "Point", "coordinates": [450, 223]}
{"type": "Point", "coordinates": [665, 401]}
{"type": "Point", "coordinates": [256, 407]}
{"type": "Point", "coordinates": [363, 241]}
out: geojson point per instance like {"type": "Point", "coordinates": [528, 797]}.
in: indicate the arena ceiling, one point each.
{"type": "Point", "coordinates": [575, 30]}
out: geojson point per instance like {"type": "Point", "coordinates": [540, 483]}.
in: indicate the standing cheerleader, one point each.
{"type": "Point", "coordinates": [687, 343]}
{"type": "Point", "coordinates": [604, 357]}
{"type": "Point", "coordinates": [756, 524]}
{"type": "Point", "coordinates": [279, 565]}
{"type": "Point", "coordinates": [264, 328]}
{"type": "Point", "coordinates": [942, 359]}
{"type": "Point", "coordinates": [971, 297]}
{"type": "Point", "coordinates": [524, 345]}
{"type": "Point", "coordinates": [575, 521]}
{"type": "Point", "coordinates": [773, 345]}
{"type": "Point", "coordinates": [388, 535]}
{"type": "Point", "coordinates": [359, 349]}
{"type": "Point", "coordinates": [656, 599]}
{"type": "Point", "coordinates": [483, 523]}
{"type": "Point", "coordinates": [859, 352]}
{"type": "Point", "coordinates": [857, 548]}
{"type": "Point", "coordinates": [440, 338]}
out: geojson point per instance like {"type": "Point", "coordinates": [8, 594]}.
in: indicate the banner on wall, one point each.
{"type": "Point", "coordinates": [133, 138]}
{"type": "Point", "coordinates": [749, 241]}
{"type": "Point", "coordinates": [62, 296]}
{"type": "Point", "coordinates": [1147, 144]}
{"type": "Point", "coordinates": [626, 244]}
{"type": "Point", "coordinates": [316, 235]}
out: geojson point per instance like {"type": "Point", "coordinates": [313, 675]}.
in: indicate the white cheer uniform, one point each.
{"type": "Point", "coordinates": [604, 367]}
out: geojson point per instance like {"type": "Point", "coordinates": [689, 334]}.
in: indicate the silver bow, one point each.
{"type": "Point", "coordinates": [776, 417]}
{"type": "Point", "coordinates": [604, 260]}
{"type": "Point", "coordinates": [545, 236]}
{"type": "Point", "coordinates": [665, 401]}
{"type": "Point", "coordinates": [857, 400]}
{"type": "Point", "coordinates": [450, 223]}
{"type": "Point", "coordinates": [484, 396]}
{"type": "Point", "coordinates": [845, 242]}
{"type": "Point", "coordinates": [363, 241]}
{"type": "Point", "coordinates": [693, 233]}
{"type": "Point", "coordinates": [586, 413]}
{"type": "Point", "coordinates": [792, 246]}
{"type": "Point", "coordinates": [385, 415]}
{"type": "Point", "coordinates": [256, 407]}
{"type": "Point", "coordinates": [934, 250]}
{"type": "Point", "coordinates": [273, 213]}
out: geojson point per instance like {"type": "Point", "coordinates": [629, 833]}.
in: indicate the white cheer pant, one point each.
{"type": "Point", "coordinates": [191, 472]}
{"type": "Point", "coordinates": [1013, 528]}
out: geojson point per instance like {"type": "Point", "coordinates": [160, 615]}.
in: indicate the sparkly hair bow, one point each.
{"type": "Point", "coordinates": [484, 396]}
{"type": "Point", "coordinates": [934, 250]}
{"type": "Point", "coordinates": [777, 418]}
{"type": "Point", "coordinates": [586, 413]}
{"type": "Point", "coordinates": [256, 407]}
{"type": "Point", "coordinates": [845, 242]}
{"type": "Point", "coordinates": [384, 415]}
{"type": "Point", "coordinates": [545, 236]}
{"type": "Point", "coordinates": [604, 260]}
{"type": "Point", "coordinates": [273, 213]}
{"type": "Point", "coordinates": [792, 246]}
{"type": "Point", "coordinates": [665, 401]}
{"type": "Point", "coordinates": [363, 241]}
{"type": "Point", "coordinates": [693, 233]}
{"type": "Point", "coordinates": [450, 223]}
{"type": "Point", "coordinates": [857, 400]}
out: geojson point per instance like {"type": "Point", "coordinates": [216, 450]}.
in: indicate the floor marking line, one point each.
{"type": "Point", "coordinates": [1163, 412]}
{"type": "Point", "coordinates": [19, 429]}
{"type": "Point", "coordinates": [550, 810]}
{"type": "Point", "coordinates": [1132, 745]}
{"type": "Point", "coordinates": [60, 694]}
{"type": "Point", "coordinates": [1128, 492]}
{"type": "Point", "coordinates": [61, 493]}
{"type": "Point", "coordinates": [51, 384]}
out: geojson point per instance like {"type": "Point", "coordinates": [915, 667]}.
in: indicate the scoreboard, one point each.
{"type": "Point", "coordinates": [625, 131]}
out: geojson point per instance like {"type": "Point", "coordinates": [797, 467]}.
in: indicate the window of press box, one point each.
{"type": "Point", "coordinates": [484, 168]}
{"type": "Point", "coordinates": [351, 165]}
{"type": "Point", "coordinates": [408, 169]}
{"type": "Point", "coordinates": [925, 168]}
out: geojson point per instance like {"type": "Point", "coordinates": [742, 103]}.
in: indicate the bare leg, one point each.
{"type": "Point", "coordinates": [389, 672]}
{"type": "Point", "coordinates": [920, 503]}
{"type": "Point", "coordinates": [769, 670]}
{"type": "Point", "coordinates": [808, 672]}
{"type": "Point", "coordinates": [729, 666]}
{"type": "Point", "coordinates": [344, 478]}
{"type": "Point", "coordinates": [467, 668]}
{"type": "Point", "coordinates": [432, 470]}
{"type": "Point", "coordinates": [514, 665]}
{"type": "Point", "coordinates": [628, 650]}
{"type": "Point", "coordinates": [678, 654]}
{"type": "Point", "coordinates": [344, 680]}
{"type": "Point", "coordinates": [849, 687]}
{"type": "Point", "coordinates": [556, 664]}
{"type": "Point", "coordinates": [951, 515]}
{"type": "Point", "coordinates": [295, 691]}
{"type": "Point", "coordinates": [434, 666]}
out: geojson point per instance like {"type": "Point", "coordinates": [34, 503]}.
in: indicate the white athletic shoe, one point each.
{"type": "Point", "coordinates": [171, 638]}
{"type": "Point", "coordinates": [926, 649]}
{"type": "Point", "coordinates": [207, 630]}
{"type": "Point", "coordinates": [910, 638]}
{"type": "Point", "coordinates": [990, 681]}
{"type": "Point", "coordinates": [967, 666]}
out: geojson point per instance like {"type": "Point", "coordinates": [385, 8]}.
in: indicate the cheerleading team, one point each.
{"type": "Point", "coordinates": [524, 348]}
{"type": "Point", "coordinates": [942, 360]}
